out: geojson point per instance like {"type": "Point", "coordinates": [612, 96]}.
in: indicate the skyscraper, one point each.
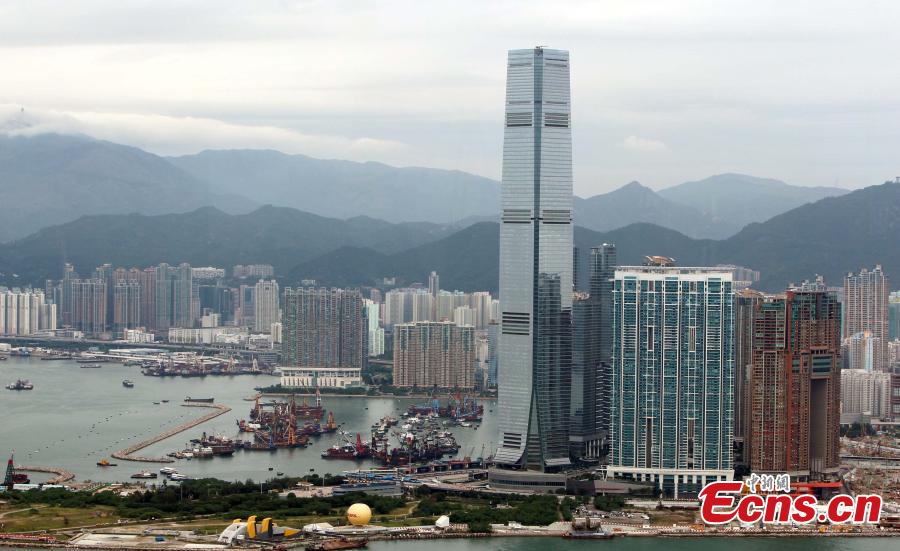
{"type": "Point", "coordinates": [265, 305]}
{"type": "Point", "coordinates": [536, 262]}
{"type": "Point", "coordinates": [323, 328]}
{"type": "Point", "coordinates": [672, 364]}
{"type": "Point", "coordinates": [866, 298]}
{"type": "Point", "coordinates": [746, 305]}
{"type": "Point", "coordinates": [183, 291]}
{"type": "Point", "coordinates": [794, 387]}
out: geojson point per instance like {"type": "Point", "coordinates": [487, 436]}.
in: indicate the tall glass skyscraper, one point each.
{"type": "Point", "coordinates": [672, 377]}
{"type": "Point", "coordinates": [534, 376]}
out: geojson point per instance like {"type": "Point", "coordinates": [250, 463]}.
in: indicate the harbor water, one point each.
{"type": "Point", "coordinates": [75, 417]}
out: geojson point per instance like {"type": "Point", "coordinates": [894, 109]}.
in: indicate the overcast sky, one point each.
{"type": "Point", "coordinates": [663, 92]}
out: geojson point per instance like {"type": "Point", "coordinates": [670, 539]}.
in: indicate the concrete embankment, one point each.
{"type": "Point", "coordinates": [125, 454]}
{"type": "Point", "coordinates": [62, 475]}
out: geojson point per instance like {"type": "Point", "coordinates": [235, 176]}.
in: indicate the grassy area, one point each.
{"type": "Point", "coordinates": [48, 518]}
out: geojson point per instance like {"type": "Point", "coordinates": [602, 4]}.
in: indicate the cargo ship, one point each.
{"type": "Point", "coordinates": [200, 400]}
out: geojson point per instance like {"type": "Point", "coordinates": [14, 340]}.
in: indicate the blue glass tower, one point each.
{"type": "Point", "coordinates": [534, 376]}
{"type": "Point", "coordinates": [672, 377]}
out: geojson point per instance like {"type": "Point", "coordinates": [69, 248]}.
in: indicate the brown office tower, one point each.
{"type": "Point", "coordinates": [795, 385]}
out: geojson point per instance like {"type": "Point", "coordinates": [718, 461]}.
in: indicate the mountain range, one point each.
{"type": "Point", "coordinates": [829, 237]}
{"type": "Point", "coordinates": [52, 179]}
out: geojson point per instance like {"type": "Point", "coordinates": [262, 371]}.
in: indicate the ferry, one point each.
{"type": "Point", "coordinates": [168, 471]}
{"type": "Point", "coordinates": [90, 366]}
{"type": "Point", "coordinates": [144, 474]}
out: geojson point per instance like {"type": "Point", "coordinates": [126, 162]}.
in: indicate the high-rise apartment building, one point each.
{"type": "Point", "coordinates": [794, 388]}
{"type": "Point", "coordinates": [866, 393]}
{"type": "Point", "coordinates": [25, 312]}
{"type": "Point", "coordinates": [265, 305]}
{"type": "Point", "coordinates": [323, 328]}
{"type": "Point", "coordinates": [88, 305]}
{"type": "Point", "coordinates": [376, 333]}
{"type": "Point", "coordinates": [672, 369]}
{"type": "Point", "coordinates": [866, 311]}
{"type": "Point", "coordinates": [534, 377]}
{"type": "Point", "coordinates": [434, 355]}
{"type": "Point", "coordinates": [746, 305]}
{"type": "Point", "coordinates": [184, 307]}
{"type": "Point", "coordinates": [127, 294]}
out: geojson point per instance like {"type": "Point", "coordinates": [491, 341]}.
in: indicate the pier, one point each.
{"type": "Point", "coordinates": [62, 475]}
{"type": "Point", "coordinates": [125, 454]}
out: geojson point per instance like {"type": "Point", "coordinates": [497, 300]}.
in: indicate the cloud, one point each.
{"type": "Point", "coordinates": [644, 145]}
{"type": "Point", "coordinates": [168, 135]}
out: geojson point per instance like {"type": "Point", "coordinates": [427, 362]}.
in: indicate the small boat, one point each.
{"type": "Point", "coordinates": [588, 535]}
{"type": "Point", "coordinates": [90, 366]}
{"type": "Point", "coordinates": [279, 473]}
{"type": "Point", "coordinates": [165, 401]}
{"type": "Point", "coordinates": [338, 544]}
{"type": "Point", "coordinates": [144, 474]}
{"type": "Point", "coordinates": [105, 463]}
{"type": "Point", "coordinates": [127, 384]}
{"type": "Point", "coordinates": [271, 469]}
{"type": "Point", "coordinates": [21, 384]}
{"type": "Point", "coordinates": [156, 403]}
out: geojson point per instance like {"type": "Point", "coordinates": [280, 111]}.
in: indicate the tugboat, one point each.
{"type": "Point", "coordinates": [21, 384]}
{"type": "Point", "coordinates": [128, 384]}
{"type": "Point", "coordinates": [105, 463]}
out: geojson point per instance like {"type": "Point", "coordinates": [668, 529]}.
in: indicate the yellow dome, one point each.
{"type": "Point", "coordinates": [359, 514]}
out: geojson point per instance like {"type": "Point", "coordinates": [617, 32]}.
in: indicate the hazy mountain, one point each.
{"type": "Point", "coordinates": [280, 236]}
{"type": "Point", "coordinates": [633, 203]}
{"type": "Point", "coordinates": [50, 179]}
{"type": "Point", "coordinates": [53, 179]}
{"type": "Point", "coordinates": [829, 237]}
{"type": "Point", "coordinates": [343, 189]}
{"type": "Point", "coordinates": [731, 201]}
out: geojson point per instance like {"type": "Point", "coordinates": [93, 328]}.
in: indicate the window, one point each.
{"type": "Point", "coordinates": [518, 119]}
{"type": "Point", "coordinates": [559, 120]}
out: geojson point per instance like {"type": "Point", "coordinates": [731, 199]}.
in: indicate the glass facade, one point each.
{"type": "Point", "coordinates": [536, 262]}
{"type": "Point", "coordinates": [672, 377]}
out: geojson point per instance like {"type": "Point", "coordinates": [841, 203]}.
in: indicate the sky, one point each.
{"type": "Point", "coordinates": [662, 91]}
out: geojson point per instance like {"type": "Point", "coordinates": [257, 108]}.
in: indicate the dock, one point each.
{"type": "Point", "coordinates": [62, 475]}
{"type": "Point", "coordinates": [126, 454]}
